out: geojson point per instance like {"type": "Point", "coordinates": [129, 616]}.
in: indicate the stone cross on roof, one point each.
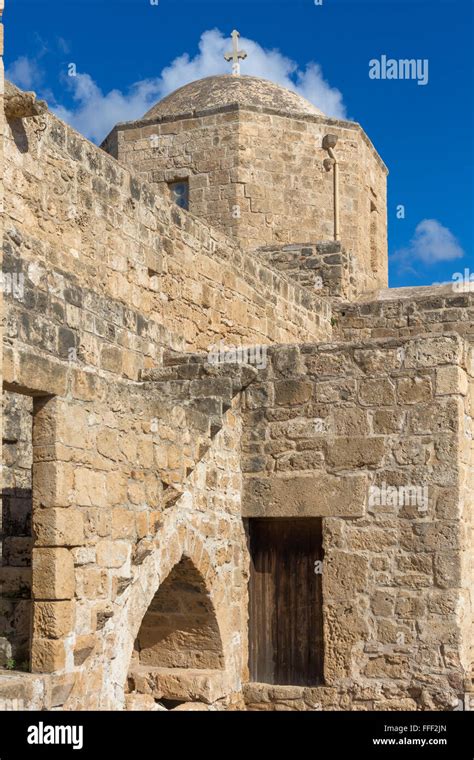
{"type": "Point", "coordinates": [237, 55]}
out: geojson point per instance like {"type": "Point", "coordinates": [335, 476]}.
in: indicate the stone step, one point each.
{"type": "Point", "coordinates": [203, 391]}
{"type": "Point", "coordinates": [180, 684]}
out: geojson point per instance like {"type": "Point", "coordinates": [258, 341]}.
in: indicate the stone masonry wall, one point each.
{"type": "Point", "coordinates": [116, 272]}
{"type": "Point", "coordinates": [324, 428]}
{"type": "Point", "coordinates": [287, 194]}
{"type": "Point", "coordinates": [127, 481]}
{"type": "Point", "coordinates": [466, 456]}
{"type": "Point", "coordinates": [102, 275]}
{"type": "Point", "coordinates": [417, 311]}
{"type": "Point", "coordinates": [145, 460]}
{"type": "Point", "coordinates": [203, 150]}
{"type": "Point", "coordinates": [406, 311]}
{"type": "Point", "coordinates": [323, 267]}
{"type": "Point", "coordinates": [105, 275]}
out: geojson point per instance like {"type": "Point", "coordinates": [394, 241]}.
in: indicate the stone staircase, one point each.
{"type": "Point", "coordinates": [192, 397]}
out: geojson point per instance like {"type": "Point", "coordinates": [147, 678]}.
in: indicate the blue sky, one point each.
{"type": "Point", "coordinates": [125, 56]}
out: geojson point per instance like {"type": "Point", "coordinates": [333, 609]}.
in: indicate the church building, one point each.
{"type": "Point", "coordinates": [238, 469]}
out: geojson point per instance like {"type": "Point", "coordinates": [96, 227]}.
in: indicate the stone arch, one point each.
{"type": "Point", "coordinates": [180, 628]}
{"type": "Point", "coordinates": [176, 542]}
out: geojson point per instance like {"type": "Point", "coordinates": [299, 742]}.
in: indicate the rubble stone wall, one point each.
{"type": "Point", "coordinates": [127, 481]}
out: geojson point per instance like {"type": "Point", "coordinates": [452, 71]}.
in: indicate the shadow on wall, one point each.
{"type": "Point", "coordinates": [19, 135]}
{"type": "Point", "coordinates": [16, 533]}
{"type": "Point", "coordinates": [15, 575]}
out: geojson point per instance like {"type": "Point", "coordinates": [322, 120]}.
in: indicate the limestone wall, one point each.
{"type": "Point", "coordinates": [130, 479]}
{"type": "Point", "coordinates": [466, 456]}
{"type": "Point", "coordinates": [204, 150]}
{"type": "Point", "coordinates": [143, 458]}
{"type": "Point", "coordinates": [112, 272]}
{"type": "Point", "coordinates": [328, 430]}
{"type": "Point", "coordinates": [406, 311]}
{"type": "Point", "coordinates": [325, 267]}
{"type": "Point", "coordinates": [127, 482]}
{"type": "Point", "coordinates": [103, 275]}
{"type": "Point", "coordinates": [287, 194]}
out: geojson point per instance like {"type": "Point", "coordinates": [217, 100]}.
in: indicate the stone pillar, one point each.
{"type": "Point", "coordinates": [57, 527]}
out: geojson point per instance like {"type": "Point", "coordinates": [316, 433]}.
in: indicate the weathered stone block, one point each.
{"type": "Point", "coordinates": [53, 574]}
{"type": "Point", "coordinates": [40, 374]}
{"type": "Point", "coordinates": [54, 483]}
{"type": "Point", "coordinates": [430, 352]}
{"type": "Point", "coordinates": [61, 688]}
{"type": "Point", "coordinates": [53, 620]}
{"type": "Point", "coordinates": [379, 391]}
{"type": "Point", "coordinates": [85, 386]}
{"type": "Point", "coordinates": [350, 421]}
{"type": "Point", "coordinates": [83, 648]}
{"type": "Point", "coordinates": [305, 496]}
{"type": "Point", "coordinates": [58, 527]}
{"type": "Point", "coordinates": [92, 583]}
{"type": "Point", "coordinates": [112, 553]}
{"type": "Point", "coordinates": [414, 390]}
{"type": "Point", "coordinates": [390, 666]}
{"type": "Point", "coordinates": [187, 684]}
{"type": "Point", "coordinates": [450, 380]}
{"type": "Point", "coordinates": [293, 392]}
{"type": "Point", "coordinates": [383, 603]}
{"type": "Point", "coordinates": [123, 523]}
{"type": "Point", "coordinates": [345, 573]}
{"type": "Point", "coordinates": [48, 655]}
{"type": "Point", "coordinates": [8, 366]}
{"type": "Point", "coordinates": [447, 569]}
{"type": "Point", "coordinates": [348, 453]}
{"type": "Point", "coordinates": [387, 421]}
{"type": "Point", "coordinates": [90, 488]}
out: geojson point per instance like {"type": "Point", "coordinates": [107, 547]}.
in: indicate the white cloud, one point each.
{"type": "Point", "coordinates": [24, 72]}
{"type": "Point", "coordinates": [267, 64]}
{"type": "Point", "coordinates": [95, 112]}
{"type": "Point", "coordinates": [431, 243]}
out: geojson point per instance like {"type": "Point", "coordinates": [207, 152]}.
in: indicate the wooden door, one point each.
{"type": "Point", "coordinates": [285, 597]}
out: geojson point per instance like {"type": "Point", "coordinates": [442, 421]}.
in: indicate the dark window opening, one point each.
{"type": "Point", "coordinates": [180, 193]}
{"type": "Point", "coordinates": [285, 601]}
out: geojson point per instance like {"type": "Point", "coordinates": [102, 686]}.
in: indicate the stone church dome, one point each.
{"type": "Point", "coordinates": [225, 90]}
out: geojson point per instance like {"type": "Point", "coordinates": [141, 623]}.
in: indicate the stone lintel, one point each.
{"type": "Point", "coordinates": [315, 495]}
